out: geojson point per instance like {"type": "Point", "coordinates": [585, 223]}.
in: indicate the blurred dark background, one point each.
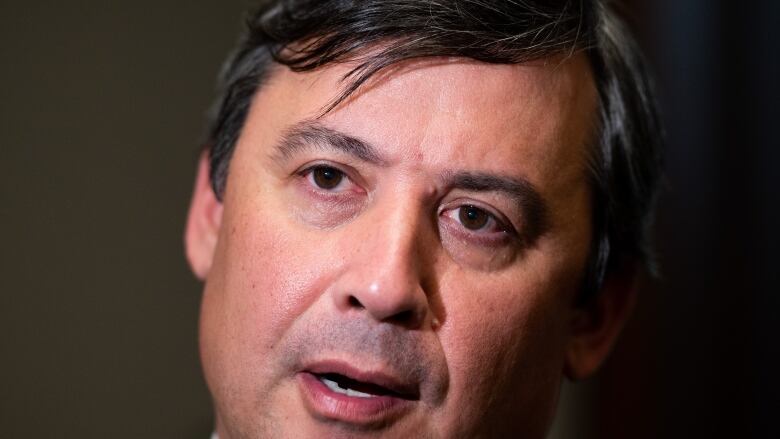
{"type": "Point", "coordinates": [101, 109]}
{"type": "Point", "coordinates": [699, 359]}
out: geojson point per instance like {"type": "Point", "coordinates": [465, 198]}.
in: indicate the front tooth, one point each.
{"type": "Point", "coordinates": [332, 385]}
{"type": "Point", "coordinates": [357, 394]}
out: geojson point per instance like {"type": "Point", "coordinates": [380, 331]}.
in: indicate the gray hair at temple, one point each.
{"type": "Point", "coordinates": [625, 160]}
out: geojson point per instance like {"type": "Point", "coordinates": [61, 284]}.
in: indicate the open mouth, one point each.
{"type": "Point", "coordinates": [358, 389]}
{"type": "Point", "coordinates": [336, 391]}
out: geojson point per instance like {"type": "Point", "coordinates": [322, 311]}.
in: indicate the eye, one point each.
{"type": "Point", "coordinates": [477, 234]}
{"type": "Point", "coordinates": [473, 220]}
{"type": "Point", "coordinates": [327, 194]}
{"type": "Point", "coordinates": [326, 177]}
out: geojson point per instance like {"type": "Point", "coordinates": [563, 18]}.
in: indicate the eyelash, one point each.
{"type": "Point", "coordinates": [505, 229]}
{"type": "Point", "coordinates": [308, 175]}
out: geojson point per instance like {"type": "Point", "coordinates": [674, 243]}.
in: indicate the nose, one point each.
{"type": "Point", "coordinates": [387, 267]}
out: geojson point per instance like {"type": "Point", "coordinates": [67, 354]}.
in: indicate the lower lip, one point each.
{"type": "Point", "coordinates": [326, 404]}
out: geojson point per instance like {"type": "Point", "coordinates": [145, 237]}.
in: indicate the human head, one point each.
{"type": "Point", "coordinates": [365, 41]}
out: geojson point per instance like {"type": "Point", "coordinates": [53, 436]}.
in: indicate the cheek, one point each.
{"type": "Point", "coordinates": [264, 275]}
{"type": "Point", "coordinates": [504, 343]}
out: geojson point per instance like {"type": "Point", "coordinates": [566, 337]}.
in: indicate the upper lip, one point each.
{"type": "Point", "coordinates": [403, 388]}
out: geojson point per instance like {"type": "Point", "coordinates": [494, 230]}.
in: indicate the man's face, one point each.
{"type": "Point", "coordinates": [405, 265]}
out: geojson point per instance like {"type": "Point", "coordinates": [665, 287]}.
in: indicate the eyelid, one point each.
{"type": "Point", "coordinates": [488, 228]}
{"type": "Point", "coordinates": [347, 167]}
{"type": "Point", "coordinates": [501, 220]}
{"type": "Point", "coordinates": [348, 172]}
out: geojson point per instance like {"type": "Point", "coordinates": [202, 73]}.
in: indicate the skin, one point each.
{"type": "Point", "coordinates": [381, 273]}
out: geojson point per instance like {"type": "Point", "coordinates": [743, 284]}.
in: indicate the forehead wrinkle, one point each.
{"type": "Point", "coordinates": [309, 134]}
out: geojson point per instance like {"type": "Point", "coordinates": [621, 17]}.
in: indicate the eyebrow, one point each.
{"type": "Point", "coordinates": [528, 199]}
{"type": "Point", "coordinates": [309, 134]}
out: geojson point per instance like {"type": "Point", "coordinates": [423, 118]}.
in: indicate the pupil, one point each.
{"type": "Point", "coordinates": [473, 218]}
{"type": "Point", "coordinates": [327, 178]}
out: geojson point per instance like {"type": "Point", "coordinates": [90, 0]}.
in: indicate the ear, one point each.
{"type": "Point", "coordinates": [597, 324]}
{"type": "Point", "coordinates": [203, 222]}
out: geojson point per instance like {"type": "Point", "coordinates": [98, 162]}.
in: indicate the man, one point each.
{"type": "Point", "coordinates": [414, 218]}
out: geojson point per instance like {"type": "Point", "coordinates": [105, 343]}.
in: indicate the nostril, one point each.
{"type": "Point", "coordinates": [355, 303]}
{"type": "Point", "coordinates": [404, 317]}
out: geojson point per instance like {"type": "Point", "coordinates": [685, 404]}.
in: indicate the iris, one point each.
{"type": "Point", "coordinates": [473, 218]}
{"type": "Point", "coordinates": [326, 177]}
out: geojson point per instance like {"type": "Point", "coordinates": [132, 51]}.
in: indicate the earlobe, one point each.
{"type": "Point", "coordinates": [203, 222]}
{"type": "Point", "coordinates": [596, 326]}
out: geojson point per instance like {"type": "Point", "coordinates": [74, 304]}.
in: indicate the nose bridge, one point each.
{"type": "Point", "coordinates": [384, 274]}
{"type": "Point", "coordinates": [393, 241]}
